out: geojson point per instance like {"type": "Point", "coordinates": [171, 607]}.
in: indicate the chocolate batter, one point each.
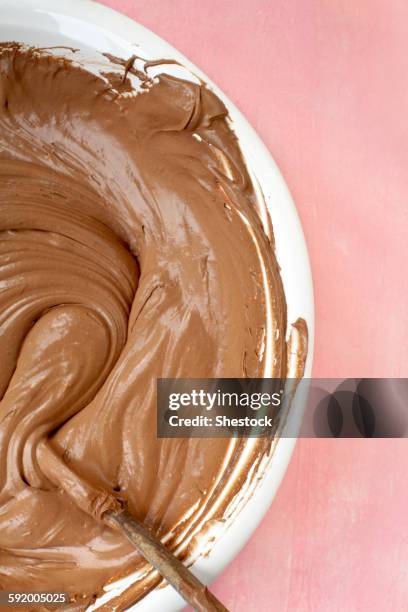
{"type": "Point", "coordinates": [131, 248]}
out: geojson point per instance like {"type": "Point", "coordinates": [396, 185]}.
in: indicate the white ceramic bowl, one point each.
{"type": "Point", "coordinates": [92, 27]}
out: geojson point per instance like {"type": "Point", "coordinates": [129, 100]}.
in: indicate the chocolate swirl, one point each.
{"type": "Point", "coordinates": [131, 248]}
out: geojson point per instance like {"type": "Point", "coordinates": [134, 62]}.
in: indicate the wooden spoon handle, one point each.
{"type": "Point", "coordinates": [172, 569]}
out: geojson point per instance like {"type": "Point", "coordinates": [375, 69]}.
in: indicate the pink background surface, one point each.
{"type": "Point", "coordinates": [325, 84]}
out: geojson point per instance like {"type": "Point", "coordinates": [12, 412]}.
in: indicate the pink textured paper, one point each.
{"type": "Point", "coordinates": [325, 84]}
